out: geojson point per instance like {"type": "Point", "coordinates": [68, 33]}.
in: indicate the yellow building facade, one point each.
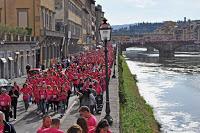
{"type": "Point", "coordinates": [26, 13]}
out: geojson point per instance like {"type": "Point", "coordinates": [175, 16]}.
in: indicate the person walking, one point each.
{"type": "Point", "coordinates": [92, 101]}
{"type": "Point", "coordinates": [84, 112]}
{"type": "Point", "coordinates": [55, 127]}
{"type": "Point", "coordinates": [5, 127]}
{"type": "Point", "coordinates": [103, 127]}
{"type": "Point", "coordinates": [46, 123]}
{"type": "Point", "coordinates": [74, 129]}
{"type": "Point", "coordinates": [26, 95]}
{"type": "Point", "coordinates": [83, 124]}
{"type": "Point", "coordinates": [14, 94]}
{"type": "Point", "coordinates": [5, 104]}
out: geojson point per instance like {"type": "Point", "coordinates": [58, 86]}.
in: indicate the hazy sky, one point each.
{"type": "Point", "coordinates": [132, 11]}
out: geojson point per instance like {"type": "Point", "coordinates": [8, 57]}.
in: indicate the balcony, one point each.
{"type": "Point", "coordinates": [52, 33]}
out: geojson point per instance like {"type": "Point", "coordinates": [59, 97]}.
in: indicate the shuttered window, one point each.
{"type": "Point", "coordinates": [22, 17]}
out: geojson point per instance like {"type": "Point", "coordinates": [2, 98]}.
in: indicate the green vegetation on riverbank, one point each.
{"type": "Point", "coordinates": [136, 116]}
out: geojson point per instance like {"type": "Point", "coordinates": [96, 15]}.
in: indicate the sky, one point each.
{"type": "Point", "coordinates": [133, 11]}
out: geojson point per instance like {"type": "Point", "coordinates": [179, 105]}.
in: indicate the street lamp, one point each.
{"type": "Point", "coordinates": [105, 34]}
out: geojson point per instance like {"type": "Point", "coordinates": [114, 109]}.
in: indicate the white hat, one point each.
{"type": "Point", "coordinates": [3, 90]}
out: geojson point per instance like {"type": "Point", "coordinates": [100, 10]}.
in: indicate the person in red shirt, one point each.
{"type": "Point", "coordinates": [5, 104]}
{"type": "Point", "coordinates": [102, 127]}
{"type": "Point", "coordinates": [26, 95]}
{"type": "Point", "coordinates": [36, 97]}
{"type": "Point", "coordinates": [55, 125]}
{"type": "Point", "coordinates": [55, 99]}
{"type": "Point", "coordinates": [63, 100]}
{"type": "Point", "coordinates": [42, 94]}
{"type": "Point", "coordinates": [75, 128]}
{"type": "Point", "coordinates": [46, 123]}
{"type": "Point", "coordinates": [49, 93]}
{"type": "Point", "coordinates": [84, 112]}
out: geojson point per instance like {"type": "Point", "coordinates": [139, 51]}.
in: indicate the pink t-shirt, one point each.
{"type": "Point", "coordinates": [40, 129]}
{"type": "Point", "coordinates": [52, 130]}
{"type": "Point", "coordinates": [92, 121]}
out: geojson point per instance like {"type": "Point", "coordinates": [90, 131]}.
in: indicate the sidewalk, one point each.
{"type": "Point", "coordinates": [114, 102]}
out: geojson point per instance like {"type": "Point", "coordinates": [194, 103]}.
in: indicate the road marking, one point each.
{"type": "Point", "coordinates": [68, 110]}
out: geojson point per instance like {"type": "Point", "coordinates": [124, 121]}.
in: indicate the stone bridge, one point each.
{"type": "Point", "coordinates": [166, 48]}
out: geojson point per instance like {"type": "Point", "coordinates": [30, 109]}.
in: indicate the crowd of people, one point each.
{"type": "Point", "coordinates": [86, 123]}
{"type": "Point", "coordinates": [83, 75]}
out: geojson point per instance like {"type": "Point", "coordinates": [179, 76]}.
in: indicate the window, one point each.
{"type": "Point", "coordinates": [58, 5]}
{"type": "Point", "coordinates": [0, 15]}
{"type": "Point", "coordinates": [50, 22]}
{"type": "Point", "coordinates": [43, 17]}
{"type": "Point", "coordinates": [47, 20]}
{"type": "Point", "coordinates": [22, 17]}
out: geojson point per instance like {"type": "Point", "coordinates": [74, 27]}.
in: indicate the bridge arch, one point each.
{"type": "Point", "coordinates": [166, 48]}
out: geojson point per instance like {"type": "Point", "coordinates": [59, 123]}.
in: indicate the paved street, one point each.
{"type": "Point", "coordinates": [30, 121]}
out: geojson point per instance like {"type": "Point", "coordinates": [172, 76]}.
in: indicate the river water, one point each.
{"type": "Point", "coordinates": [171, 87]}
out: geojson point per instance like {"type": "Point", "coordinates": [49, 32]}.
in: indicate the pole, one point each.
{"type": "Point", "coordinates": [107, 117]}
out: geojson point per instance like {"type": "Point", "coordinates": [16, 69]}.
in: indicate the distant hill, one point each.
{"type": "Point", "coordinates": [138, 28]}
{"type": "Point", "coordinates": [117, 27]}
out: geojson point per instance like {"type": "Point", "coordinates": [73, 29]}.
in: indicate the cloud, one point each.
{"type": "Point", "coordinates": [142, 3]}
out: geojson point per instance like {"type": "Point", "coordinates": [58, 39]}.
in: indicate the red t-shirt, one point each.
{"type": "Point", "coordinates": [49, 94]}
{"type": "Point", "coordinates": [63, 96]}
{"type": "Point", "coordinates": [1, 128]}
{"type": "Point", "coordinates": [40, 129]}
{"type": "Point", "coordinates": [26, 93]}
{"type": "Point", "coordinates": [5, 100]}
{"type": "Point", "coordinates": [52, 130]}
{"type": "Point", "coordinates": [36, 94]}
{"type": "Point", "coordinates": [92, 121]}
{"type": "Point", "coordinates": [42, 93]}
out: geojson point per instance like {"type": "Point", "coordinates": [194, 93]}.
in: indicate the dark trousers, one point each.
{"type": "Point", "coordinates": [14, 111]}
{"type": "Point", "coordinates": [26, 105]}
{"type": "Point", "coordinates": [6, 111]}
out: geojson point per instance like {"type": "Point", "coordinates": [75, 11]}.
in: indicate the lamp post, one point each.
{"type": "Point", "coordinates": [105, 34]}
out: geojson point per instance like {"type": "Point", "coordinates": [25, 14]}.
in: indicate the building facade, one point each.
{"type": "Point", "coordinates": [59, 28]}
{"type": "Point", "coordinates": [14, 56]}
{"type": "Point", "coordinates": [99, 17]}
{"type": "Point", "coordinates": [38, 15]}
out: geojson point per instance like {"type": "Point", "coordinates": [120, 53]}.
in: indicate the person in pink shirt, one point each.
{"type": "Point", "coordinates": [102, 127]}
{"type": "Point", "coordinates": [84, 112]}
{"type": "Point", "coordinates": [55, 125]}
{"type": "Point", "coordinates": [26, 95]}
{"type": "Point", "coordinates": [75, 129]}
{"type": "Point", "coordinates": [45, 124]}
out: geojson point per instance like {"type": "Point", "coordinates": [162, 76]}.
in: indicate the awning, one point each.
{"type": "Point", "coordinates": [3, 60]}
{"type": "Point", "coordinates": [10, 58]}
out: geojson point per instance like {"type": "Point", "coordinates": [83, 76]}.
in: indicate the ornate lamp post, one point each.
{"type": "Point", "coordinates": [105, 34]}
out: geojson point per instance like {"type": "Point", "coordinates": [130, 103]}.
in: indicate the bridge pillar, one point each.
{"type": "Point", "coordinates": [166, 54]}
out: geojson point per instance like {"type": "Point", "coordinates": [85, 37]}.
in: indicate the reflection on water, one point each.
{"type": "Point", "coordinates": [171, 87]}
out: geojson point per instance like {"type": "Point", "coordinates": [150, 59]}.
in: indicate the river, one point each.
{"type": "Point", "coordinates": [171, 87]}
